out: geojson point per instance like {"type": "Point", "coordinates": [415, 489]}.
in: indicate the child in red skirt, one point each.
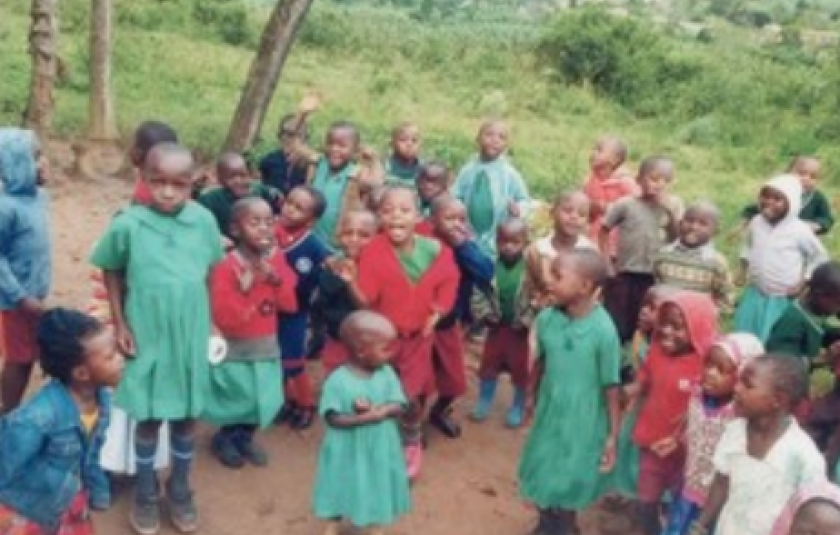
{"type": "Point", "coordinates": [412, 281]}
{"type": "Point", "coordinates": [49, 452]}
{"type": "Point", "coordinates": [508, 314]}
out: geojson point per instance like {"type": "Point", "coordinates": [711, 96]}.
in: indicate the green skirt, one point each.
{"type": "Point", "coordinates": [243, 392]}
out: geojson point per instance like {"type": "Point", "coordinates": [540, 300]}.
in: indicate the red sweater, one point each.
{"type": "Point", "coordinates": [390, 292]}
{"type": "Point", "coordinates": [241, 315]}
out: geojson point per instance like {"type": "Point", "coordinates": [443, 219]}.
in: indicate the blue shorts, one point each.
{"type": "Point", "coordinates": [291, 335]}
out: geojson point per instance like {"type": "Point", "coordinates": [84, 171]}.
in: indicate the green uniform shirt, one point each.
{"type": "Point", "coordinates": [508, 280]}
{"type": "Point", "coordinates": [416, 262]}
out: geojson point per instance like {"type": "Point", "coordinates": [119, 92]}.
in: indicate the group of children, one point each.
{"type": "Point", "coordinates": [377, 268]}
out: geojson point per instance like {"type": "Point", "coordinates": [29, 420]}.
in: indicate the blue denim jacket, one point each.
{"type": "Point", "coordinates": [46, 457]}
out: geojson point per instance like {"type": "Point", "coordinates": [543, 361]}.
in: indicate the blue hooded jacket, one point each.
{"type": "Point", "coordinates": [25, 263]}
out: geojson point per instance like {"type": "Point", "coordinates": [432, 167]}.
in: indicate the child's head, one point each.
{"type": "Point", "coordinates": [369, 337]}
{"type": "Point", "coordinates": [813, 510]}
{"type": "Point", "coordinates": [398, 215]}
{"type": "Point", "coordinates": [649, 312]}
{"type": "Point", "coordinates": [233, 175]}
{"type": "Point", "coordinates": [655, 175]}
{"type": "Point", "coordinates": [699, 224]}
{"type": "Point", "coordinates": [168, 171]}
{"type": "Point", "coordinates": [511, 239]}
{"type": "Point", "coordinates": [288, 131]}
{"type": "Point", "coordinates": [432, 180]}
{"type": "Point", "coordinates": [342, 144]}
{"type": "Point", "coordinates": [686, 323]}
{"type": "Point", "coordinates": [22, 165]}
{"type": "Point", "coordinates": [146, 136]}
{"type": "Point", "coordinates": [405, 142]}
{"type": "Point", "coordinates": [727, 356]}
{"type": "Point", "coordinates": [771, 384]}
{"type": "Point", "coordinates": [577, 276]}
{"type": "Point", "coordinates": [780, 198]}
{"type": "Point", "coordinates": [807, 168]}
{"type": "Point", "coordinates": [492, 139]}
{"type": "Point", "coordinates": [78, 350]}
{"type": "Point", "coordinates": [823, 296]}
{"type": "Point", "coordinates": [355, 230]}
{"type": "Point", "coordinates": [302, 207]}
{"type": "Point", "coordinates": [252, 224]}
{"type": "Point", "coordinates": [608, 154]}
{"type": "Point", "coordinates": [570, 214]}
{"type": "Point", "coordinates": [449, 219]}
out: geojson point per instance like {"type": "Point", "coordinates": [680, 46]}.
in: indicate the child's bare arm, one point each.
{"type": "Point", "coordinates": [608, 457]}
{"type": "Point", "coordinates": [371, 172]}
{"type": "Point", "coordinates": [115, 284]}
{"type": "Point", "coordinates": [718, 494]}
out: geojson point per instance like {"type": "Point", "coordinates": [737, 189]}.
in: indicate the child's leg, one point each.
{"type": "Point", "coordinates": [413, 363]}
{"type": "Point", "coordinates": [15, 378]}
{"type": "Point", "coordinates": [450, 375]}
{"type": "Point", "coordinates": [516, 360]}
{"type": "Point", "coordinates": [616, 296]}
{"type": "Point", "coordinates": [145, 511]}
{"type": "Point", "coordinates": [178, 490]}
{"type": "Point", "coordinates": [653, 482]}
{"type": "Point", "coordinates": [19, 350]}
{"type": "Point", "coordinates": [488, 373]}
{"type": "Point", "coordinates": [292, 335]}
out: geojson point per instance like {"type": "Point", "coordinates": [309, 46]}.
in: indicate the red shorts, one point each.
{"type": "Point", "coordinates": [333, 354]}
{"type": "Point", "coordinates": [506, 349]}
{"type": "Point", "coordinates": [413, 363]}
{"type": "Point", "coordinates": [659, 474]}
{"type": "Point", "coordinates": [448, 362]}
{"type": "Point", "coordinates": [17, 335]}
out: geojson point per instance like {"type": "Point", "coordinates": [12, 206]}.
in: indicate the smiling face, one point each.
{"type": "Point", "coordinates": [233, 175]}
{"type": "Point", "coordinates": [298, 209]}
{"type": "Point", "coordinates": [773, 204]}
{"type": "Point", "coordinates": [697, 227]}
{"type": "Point", "coordinates": [719, 374]}
{"type": "Point", "coordinates": [253, 226]}
{"type": "Point", "coordinates": [493, 140]}
{"type": "Point", "coordinates": [605, 157]}
{"type": "Point", "coordinates": [450, 221]}
{"type": "Point", "coordinates": [570, 215]}
{"type": "Point", "coordinates": [398, 216]}
{"type": "Point", "coordinates": [672, 330]}
{"type": "Point", "coordinates": [356, 230]}
{"type": "Point", "coordinates": [431, 182]}
{"type": "Point", "coordinates": [342, 144]}
{"type": "Point", "coordinates": [655, 178]}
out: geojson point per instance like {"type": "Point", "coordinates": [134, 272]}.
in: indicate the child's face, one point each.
{"type": "Point", "coordinates": [342, 145]}
{"type": "Point", "coordinates": [170, 183]}
{"type": "Point", "coordinates": [648, 313]}
{"type": "Point", "coordinates": [103, 365]}
{"type": "Point", "coordinates": [493, 140]}
{"type": "Point", "coordinates": [431, 184]}
{"type": "Point", "coordinates": [672, 330]}
{"type": "Point", "coordinates": [297, 209]}
{"type": "Point", "coordinates": [816, 517]}
{"type": "Point", "coordinates": [697, 227]}
{"type": "Point", "coordinates": [450, 222]}
{"type": "Point", "coordinates": [570, 216]}
{"type": "Point", "coordinates": [824, 302]}
{"type": "Point", "coordinates": [406, 143]}
{"type": "Point", "coordinates": [808, 171]}
{"type": "Point", "coordinates": [254, 228]}
{"type": "Point", "coordinates": [398, 216]}
{"type": "Point", "coordinates": [754, 394]}
{"type": "Point", "coordinates": [378, 350]}
{"type": "Point", "coordinates": [773, 204]}
{"type": "Point", "coordinates": [511, 243]}
{"type": "Point", "coordinates": [356, 230]}
{"type": "Point", "coordinates": [288, 135]}
{"type": "Point", "coordinates": [603, 159]}
{"type": "Point", "coordinates": [566, 284]}
{"type": "Point", "coordinates": [234, 176]}
{"type": "Point", "coordinates": [654, 184]}
{"type": "Point", "coordinates": [719, 374]}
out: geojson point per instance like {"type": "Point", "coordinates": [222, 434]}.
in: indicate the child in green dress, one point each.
{"type": "Point", "coordinates": [572, 444]}
{"type": "Point", "coordinates": [156, 261]}
{"type": "Point", "coordinates": [361, 475]}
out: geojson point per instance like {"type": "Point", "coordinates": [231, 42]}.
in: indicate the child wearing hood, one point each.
{"type": "Point", "coordinates": [815, 508]}
{"type": "Point", "coordinates": [25, 260]}
{"type": "Point", "coordinates": [778, 257]}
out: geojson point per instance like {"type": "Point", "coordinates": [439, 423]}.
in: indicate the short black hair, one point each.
{"type": "Point", "coordinates": [394, 188]}
{"type": "Point", "coordinates": [302, 129]}
{"type": "Point", "coordinates": [319, 202]}
{"type": "Point", "coordinates": [346, 125]}
{"type": "Point", "coordinates": [826, 278]}
{"type": "Point", "coordinates": [652, 162]}
{"type": "Point", "coordinates": [244, 205]}
{"type": "Point", "coordinates": [589, 263]}
{"type": "Point", "coordinates": [434, 168]}
{"type": "Point", "coordinates": [151, 133]}
{"type": "Point", "coordinates": [789, 376]}
{"type": "Point", "coordinates": [442, 201]}
{"type": "Point", "coordinates": [61, 336]}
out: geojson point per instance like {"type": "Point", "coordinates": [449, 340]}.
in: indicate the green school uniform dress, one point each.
{"type": "Point", "coordinates": [361, 470]}
{"type": "Point", "coordinates": [166, 259]}
{"type": "Point", "coordinates": [333, 185]}
{"type": "Point", "coordinates": [559, 467]}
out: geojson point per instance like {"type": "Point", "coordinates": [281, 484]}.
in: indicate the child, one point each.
{"type": "Point", "coordinates": [247, 291]}
{"type": "Point", "coordinates": [432, 181]}
{"type": "Point", "coordinates": [236, 183]}
{"type": "Point", "coordinates": [412, 281]}
{"type": "Point", "coordinates": [305, 253]}
{"type": "Point", "coordinates": [25, 259]}
{"type": "Point", "coordinates": [645, 222]}
{"type": "Point", "coordinates": [361, 474]}
{"type": "Point", "coordinates": [763, 456]}
{"type": "Point", "coordinates": [333, 300]}
{"type": "Point", "coordinates": [813, 510]}
{"type": "Point", "coordinates": [287, 167]}
{"type": "Point", "coordinates": [685, 329]}
{"type": "Point", "coordinates": [476, 273]}
{"type": "Point", "coordinates": [490, 187]}
{"type": "Point", "coordinates": [404, 164]}
{"type": "Point", "coordinates": [710, 408]}
{"type": "Point", "coordinates": [607, 183]}
{"type": "Point", "coordinates": [507, 312]}
{"type": "Point", "coordinates": [157, 289]}
{"type": "Point", "coordinates": [692, 262]}
{"type": "Point", "coordinates": [344, 184]}
{"type": "Point", "coordinates": [571, 445]}
{"type": "Point", "coordinates": [146, 136]}
{"type": "Point", "coordinates": [778, 257]}
{"type": "Point", "coordinates": [49, 452]}
{"type": "Point", "coordinates": [569, 214]}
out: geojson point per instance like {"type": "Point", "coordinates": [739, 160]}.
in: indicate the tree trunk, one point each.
{"type": "Point", "coordinates": [102, 125]}
{"type": "Point", "coordinates": [277, 39]}
{"type": "Point", "coordinates": [43, 47]}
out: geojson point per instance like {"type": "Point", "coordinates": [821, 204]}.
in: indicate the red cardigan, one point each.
{"type": "Point", "coordinates": [254, 314]}
{"type": "Point", "coordinates": [390, 292]}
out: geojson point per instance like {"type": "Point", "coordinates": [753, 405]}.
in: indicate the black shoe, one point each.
{"type": "Point", "coordinates": [225, 450]}
{"type": "Point", "coordinates": [302, 419]}
{"type": "Point", "coordinates": [285, 414]}
{"type": "Point", "coordinates": [445, 423]}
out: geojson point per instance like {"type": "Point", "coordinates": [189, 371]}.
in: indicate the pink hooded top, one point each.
{"type": "Point", "coordinates": [823, 491]}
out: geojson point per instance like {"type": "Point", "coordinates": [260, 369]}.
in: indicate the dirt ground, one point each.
{"type": "Point", "coordinates": [468, 486]}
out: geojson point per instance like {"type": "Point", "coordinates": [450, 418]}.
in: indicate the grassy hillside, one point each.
{"type": "Point", "coordinates": [738, 114]}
